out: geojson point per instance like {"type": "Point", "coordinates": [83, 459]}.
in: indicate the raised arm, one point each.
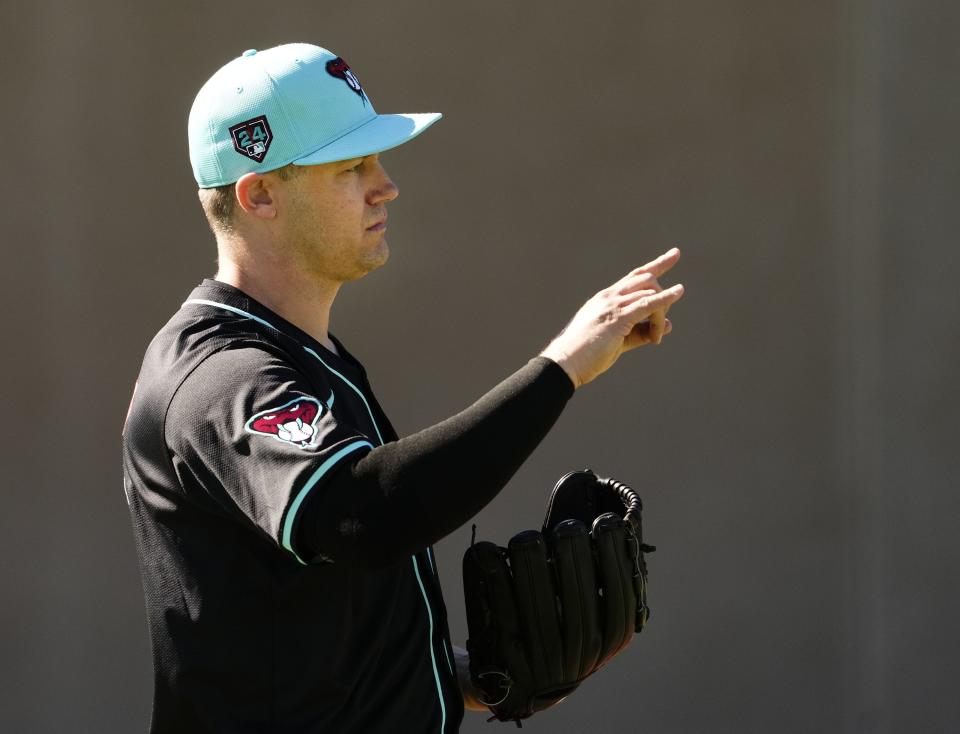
{"type": "Point", "coordinates": [407, 494]}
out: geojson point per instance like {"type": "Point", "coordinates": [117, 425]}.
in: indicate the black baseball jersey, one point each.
{"type": "Point", "coordinates": [238, 419]}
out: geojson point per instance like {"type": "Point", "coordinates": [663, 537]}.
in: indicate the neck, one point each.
{"type": "Point", "coordinates": [300, 298]}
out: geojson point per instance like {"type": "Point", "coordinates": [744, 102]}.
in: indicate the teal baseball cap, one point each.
{"type": "Point", "coordinates": [295, 103]}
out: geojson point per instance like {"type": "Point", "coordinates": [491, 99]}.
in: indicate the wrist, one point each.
{"type": "Point", "coordinates": [562, 360]}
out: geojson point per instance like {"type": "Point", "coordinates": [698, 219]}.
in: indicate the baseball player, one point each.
{"type": "Point", "coordinates": [284, 530]}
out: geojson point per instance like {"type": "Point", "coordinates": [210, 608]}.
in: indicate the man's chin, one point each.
{"type": "Point", "coordinates": [377, 259]}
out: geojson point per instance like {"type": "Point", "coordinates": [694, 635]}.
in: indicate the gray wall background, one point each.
{"type": "Point", "coordinates": [794, 438]}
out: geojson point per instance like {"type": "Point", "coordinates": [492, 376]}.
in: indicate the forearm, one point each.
{"type": "Point", "coordinates": [407, 494]}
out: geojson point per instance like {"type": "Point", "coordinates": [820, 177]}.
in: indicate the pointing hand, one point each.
{"type": "Point", "coordinates": [626, 315]}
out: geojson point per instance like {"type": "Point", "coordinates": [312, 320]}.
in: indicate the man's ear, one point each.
{"type": "Point", "coordinates": [254, 194]}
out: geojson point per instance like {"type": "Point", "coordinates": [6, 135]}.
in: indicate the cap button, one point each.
{"type": "Point", "coordinates": [250, 52]}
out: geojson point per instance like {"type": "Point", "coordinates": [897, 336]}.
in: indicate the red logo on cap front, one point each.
{"type": "Point", "coordinates": [338, 67]}
{"type": "Point", "coordinates": [252, 138]}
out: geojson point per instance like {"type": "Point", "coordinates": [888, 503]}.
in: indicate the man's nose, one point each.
{"type": "Point", "coordinates": [385, 189]}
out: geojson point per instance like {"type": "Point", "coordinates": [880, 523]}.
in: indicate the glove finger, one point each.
{"type": "Point", "coordinates": [536, 603]}
{"type": "Point", "coordinates": [497, 657]}
{"type": "Point", "coordinates": [546, 700]}
{"type": "Point", "coordinates": [615, 570]}
{"type": "Point", "coordinates": [576, 577]}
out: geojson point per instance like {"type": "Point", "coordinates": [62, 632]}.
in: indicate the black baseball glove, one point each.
{"type": "Point", "coordinates": [554, 606]}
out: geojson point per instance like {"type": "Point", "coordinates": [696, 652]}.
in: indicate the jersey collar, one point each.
{"type": "Point", "coordinates": [217, 292]}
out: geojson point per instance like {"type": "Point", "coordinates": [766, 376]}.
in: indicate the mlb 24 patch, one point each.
{"type": "Point", "coordinates": [252, 137]}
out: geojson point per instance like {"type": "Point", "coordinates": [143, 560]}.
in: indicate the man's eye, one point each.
{"type": "Point", "coordinates": [356, 168]}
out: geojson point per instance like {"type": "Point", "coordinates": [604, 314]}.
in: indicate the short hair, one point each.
{"type": "Point", "coordinates": [220, 202]}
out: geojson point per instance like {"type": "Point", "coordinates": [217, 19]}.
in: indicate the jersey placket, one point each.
{"type": "Point", "coordinates": [432, 633]}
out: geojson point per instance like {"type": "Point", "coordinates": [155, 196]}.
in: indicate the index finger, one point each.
{"type": "Point", "coordinates": [648, 304]}
{"type": "Point", "coordinates": [662, 264]}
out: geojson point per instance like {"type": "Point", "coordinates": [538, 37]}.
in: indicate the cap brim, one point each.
{"type": "Point", "coordinates": [379, 134]}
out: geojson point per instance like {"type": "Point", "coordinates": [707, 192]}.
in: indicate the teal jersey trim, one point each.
{"type": "Point", "coordinates": [433, 656]}
{"type": "Point", "coordinates": [449, 664]}
{"type": "Point", "coordinates": [355, 389]}
{"type": "Point", "coordinates": [238, 311]}
{"type": "Point", "coordinates": [241, 312]}
{"type": "Point", "coordinates": [416, 568]}
{"type": "Point", "coordinates": [310, 484]}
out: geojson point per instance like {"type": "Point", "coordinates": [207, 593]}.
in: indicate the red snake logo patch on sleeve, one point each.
{"type": "Point", "coordinates": [294, 422]}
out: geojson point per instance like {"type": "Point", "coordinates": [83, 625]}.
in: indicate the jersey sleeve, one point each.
{"type": "Point", "coordinates": [405, 495]}
{"type": "Point", "coordinates": [250, 433]}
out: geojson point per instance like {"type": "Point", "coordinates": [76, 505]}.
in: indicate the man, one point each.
{"type": "Point", "coordinates": [283, 528]}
